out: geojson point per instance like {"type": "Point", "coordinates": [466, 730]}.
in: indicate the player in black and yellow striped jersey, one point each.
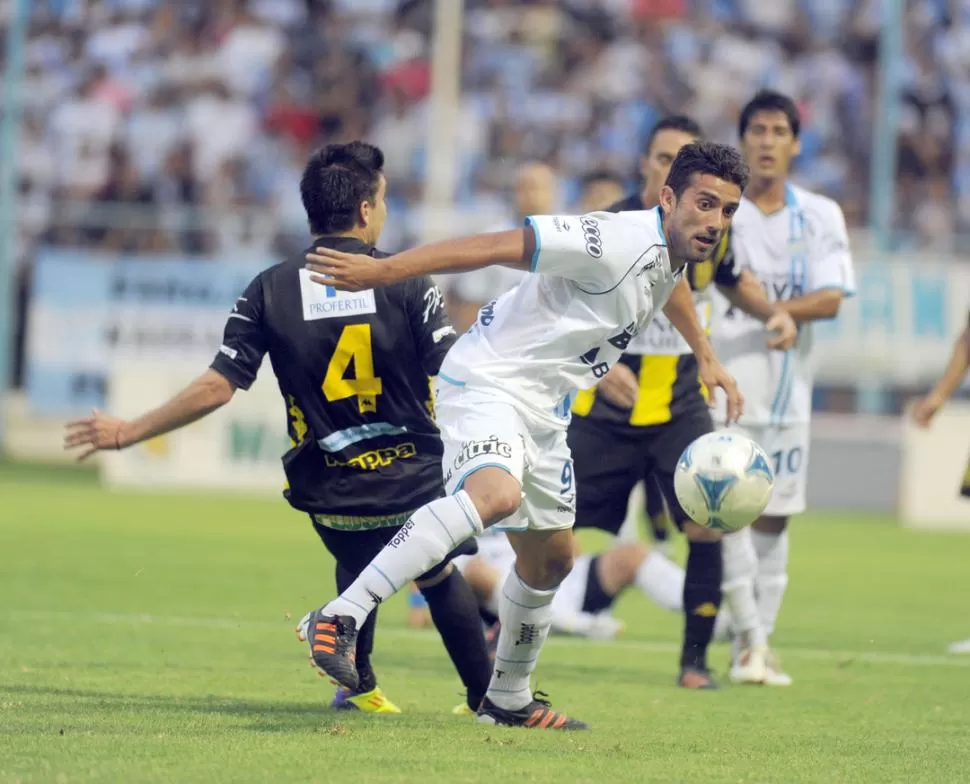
{"type": "Point", "coordinates": [634, 426]}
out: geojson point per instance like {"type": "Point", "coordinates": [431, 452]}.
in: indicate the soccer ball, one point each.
{"type": "Point", "coordinates": [723, 481]}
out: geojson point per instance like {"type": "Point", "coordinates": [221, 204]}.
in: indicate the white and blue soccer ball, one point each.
{"type": "Point", "coordinates": [724, 481]}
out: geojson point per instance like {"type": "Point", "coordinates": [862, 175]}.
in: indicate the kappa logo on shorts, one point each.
{"type": "Point", "coordinates": [472, 449]}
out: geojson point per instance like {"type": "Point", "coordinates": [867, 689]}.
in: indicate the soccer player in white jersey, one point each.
{"type": "Point", "coordinates": [795, 242]}
{"type": "Point", "coordinates": [504, 399]}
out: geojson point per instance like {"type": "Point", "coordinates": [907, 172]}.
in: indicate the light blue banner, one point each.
{"type": "Point", "coordinates": [88, 311]}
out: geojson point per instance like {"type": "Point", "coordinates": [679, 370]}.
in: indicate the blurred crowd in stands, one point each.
{"type": "Point", "coordinates": [182, 125]}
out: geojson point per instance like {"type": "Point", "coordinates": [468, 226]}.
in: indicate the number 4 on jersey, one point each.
{"type": "Point", "coordinates": [354, 346]}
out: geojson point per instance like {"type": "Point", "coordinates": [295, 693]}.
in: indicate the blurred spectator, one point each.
{"type": "Point", "coordinates": [600, 189]}
{"type": "Point", "coordinates": [212, 105]}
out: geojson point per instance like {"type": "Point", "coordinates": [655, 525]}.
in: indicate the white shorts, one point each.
{"type": "Point", "coordinates": [479, 429]}
{"type": "Point", "coordinates": [787, 448]}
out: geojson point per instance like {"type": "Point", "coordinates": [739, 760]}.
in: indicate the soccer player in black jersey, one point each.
{"type": "Point", "coordinates": [651, 406]}
{"type": "Point", "coordinates": [353, 371]}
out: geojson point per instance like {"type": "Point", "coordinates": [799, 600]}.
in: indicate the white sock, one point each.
{"type": "Point", "coordinates": [662, 581]}
{"type": "Point", "coordinates": [432, 532]}
{"type": "Point", "coordinates": [740, 571]}
{"type": "Point", "coordinates": [772, 579]}
{"type": "Point", "coordinates": [526, 615]}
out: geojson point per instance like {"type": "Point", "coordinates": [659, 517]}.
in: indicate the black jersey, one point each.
{"type": "Point", "coordinates": [354, 370]}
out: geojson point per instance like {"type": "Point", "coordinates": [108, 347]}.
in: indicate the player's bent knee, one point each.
{"type": "Point", "coordinates": [617, 568]}
{"type": "Point", "coordinates": [543, 559]}
{"type": "Point", "coordinates": [698, 533]}
{"type": "Point", "coordinates": [495, 493]}
{"type": "Point", "coordinates": [770, 524]}
{"type": "Point", "coordinates": [557, 567]}
{"type": "Point", "coordinates": [482, 578]}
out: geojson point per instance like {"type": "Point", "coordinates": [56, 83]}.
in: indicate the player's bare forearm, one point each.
{"type": "Point", "coordinates": [505, 248]}
{"type": "Point", "coordinates": [680, 310]}
{"type": "Point", "coordinates": [208, 392]}
{"type": "Point", "coordinates": [356, 272]}
{"type": "Point", "coordinates": [816, 306]}
{"type": "Point", "coordinates": [749, 296]}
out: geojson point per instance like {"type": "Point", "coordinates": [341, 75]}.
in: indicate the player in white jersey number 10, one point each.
{"type": "Point", "coordinates": [504, 395]}
{"type": "Point", "coordinates": [795, 242]}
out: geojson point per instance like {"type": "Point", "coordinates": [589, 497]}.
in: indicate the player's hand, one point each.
{"type": "Point", "coordinates": [925, 409]}
{"type": "Point", "coordinates": [93, 434]}
{"type": "Point", "coordinates": [783, 330]}
{"type": "Point", "coordinates": [619, 386]}
{"type": "Point", "coordinates": [346, 271]}
{"type": "Point", "coordinates": [714, 375]}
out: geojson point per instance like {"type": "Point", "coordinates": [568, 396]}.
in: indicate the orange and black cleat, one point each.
{"type": "Point", "coordinates": [333, 645]}
{"type": "Point", "coordinates": [536, 715]}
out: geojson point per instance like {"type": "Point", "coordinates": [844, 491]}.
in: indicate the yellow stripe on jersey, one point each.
{"type": "Point", "coordinates": [583, 401]}
{"type": "Point", "coordinates": [657, 378]}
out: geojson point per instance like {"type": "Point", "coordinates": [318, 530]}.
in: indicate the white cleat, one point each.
{"type": "Point", "coordinates": [774, 675]}
{"type": "Point", "coordinates": [303, 627]}
{"type": "Point", "coordinates": [959, 647]}
{"type": "Point", "coordinates": [750, 665]}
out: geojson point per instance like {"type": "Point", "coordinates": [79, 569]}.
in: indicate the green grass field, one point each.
{"type": "Point", "coordinates": [149, 638]}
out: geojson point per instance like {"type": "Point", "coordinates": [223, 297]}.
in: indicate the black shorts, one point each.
{"type": "Point", "coordinates": [353, 550]}
{"type": "Point", "coordinates": [610, 458]}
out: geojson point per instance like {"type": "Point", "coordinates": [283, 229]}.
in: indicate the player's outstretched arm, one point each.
{"type": "Point", "coordinates": [100, 432]}
{"type": "Point", "coordinates": [680, 310]}
{"type": "Point", "coordinates": [815, 306]}
{"type": "Point", "coordinates": [356, 272]}
{"type": "Point", "coordinates": [747, 294]}
{"type": "Point", "coordinates": [956, 369]}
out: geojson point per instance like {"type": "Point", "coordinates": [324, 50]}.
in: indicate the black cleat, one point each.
{"type": "Point", "coordinates": [333, 646]}
{"type": "Point", "coordinates": [536, 715]}
{"type": "Point", "coordinates": [696, 678]}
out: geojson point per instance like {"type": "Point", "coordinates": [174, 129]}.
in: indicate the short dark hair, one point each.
{"type": "Point", "coordinates": [673, 122]}
{"type": "Point", "coordinates": [720, 160]}
{"type": "Point", "coordinates": [770, 101]}
{"type": "Point", "coordinates": [337, 178]}
{"type": "Point", "coordinates": [600, 175]}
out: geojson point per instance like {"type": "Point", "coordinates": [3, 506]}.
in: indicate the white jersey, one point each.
{"type": "Point", "coordinates": [597, 281]}
{"type": "Point", "coordinates": [802, 248]}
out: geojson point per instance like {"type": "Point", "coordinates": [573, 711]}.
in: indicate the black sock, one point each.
{"type": "Point", "coordinates": [702, 599]}
{"type": "Point", "coordinates": [454, 611]}
{"type": "Point", "coordinates": [488, 617]}
{"type": "Point", "coordinates": [365, 637]}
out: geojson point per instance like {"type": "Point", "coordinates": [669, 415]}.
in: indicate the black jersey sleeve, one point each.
{"type": "Point", "coordinates": [433, 333]}
{"type": "Point", "coordinates": [726, 270]}
{"type": "Point", "coordinates": [244, 340]}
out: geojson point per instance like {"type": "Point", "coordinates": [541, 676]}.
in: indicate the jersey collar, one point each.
{"type": "Point", "coordinates": [343, 244]}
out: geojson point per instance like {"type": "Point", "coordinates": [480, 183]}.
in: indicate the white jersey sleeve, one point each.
{"type": "Point", "coordinates": [831, 267]}
{"type": "Point", "coordinates": [595, 251]}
